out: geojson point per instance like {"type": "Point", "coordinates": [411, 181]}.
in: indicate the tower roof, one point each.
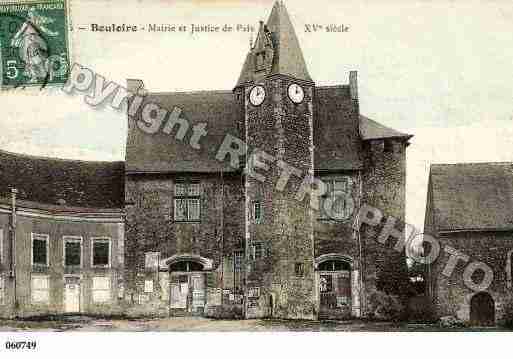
{"type": "Point", "coordinates": [285, 52]}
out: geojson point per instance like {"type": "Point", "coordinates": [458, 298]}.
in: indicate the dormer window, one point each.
{"type": "Point", "coordinates": [260, 61]}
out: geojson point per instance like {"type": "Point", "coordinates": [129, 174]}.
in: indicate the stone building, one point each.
{"type": "Point", "coordinates": [238, 203]}
{"type": "Point", "coordinates": [470, 211]}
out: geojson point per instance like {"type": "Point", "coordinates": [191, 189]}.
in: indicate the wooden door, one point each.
{"type": "Point", "coordinates": [482, 310]}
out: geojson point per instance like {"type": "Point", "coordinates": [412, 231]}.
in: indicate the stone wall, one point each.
{"type": "Point", "coordinates": [384, 187]}
{"type": "Point", "coordinates": [151, 228]}
{"type": "Point", "coordinates": [283, 130]}
{"type": "Point", "coordinates": [450, 294]}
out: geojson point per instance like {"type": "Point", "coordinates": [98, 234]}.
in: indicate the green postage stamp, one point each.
{"type": "Point", "coordinates": [33, 43]}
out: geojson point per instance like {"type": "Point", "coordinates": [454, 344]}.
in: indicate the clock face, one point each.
{"type": "Point", "coordinates": [257, 95]}
{"type": "Point", "coordinates": [296, 93]}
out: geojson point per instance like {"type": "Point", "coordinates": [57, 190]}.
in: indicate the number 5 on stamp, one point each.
{"type": "Point", "coordinates": [33, 43]}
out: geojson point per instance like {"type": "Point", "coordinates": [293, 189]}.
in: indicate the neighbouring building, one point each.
{"type": "Point", "coordinates": [185, 226]}
{"type": "Point", "coordinates": [470, 210]}
{"type": "Point", "coordinates": [61, 236]}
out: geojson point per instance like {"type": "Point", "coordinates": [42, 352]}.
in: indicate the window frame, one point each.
{"type": "Point", "coordinates": [258, 220]}
{"type": "Point", "coordinates": [260, 66]}
{"type": "Point", "coordinates": [299, 269]}
{"type": "Point", "coordinates": [72, 239]}
{"type": "Point", "coordinates": [101, 239]}
{"type": "Point", "coordinates": [238, 260]}
{"type": "Point", "coordinates": [331, 193]}
{"type": "Point", "coordinates": [146, 258]}
{"type": "Point", "coordinates": [42, 237]}
{"type": "Point", "coordinates": [187, 198]}
{"type": "Point", "coordinates": [263, 252]}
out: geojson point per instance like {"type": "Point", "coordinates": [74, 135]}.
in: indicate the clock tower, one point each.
{"type": "Point", "coordinates": [275, 94]}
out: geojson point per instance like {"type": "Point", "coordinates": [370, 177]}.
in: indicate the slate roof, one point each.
{"type": "Point", "coordinates": [161, 152]}
{"type": "Point", "coordinates": [288, 58]}
{"type": "Point", "coordinates": [337, 133]}
{"type": "Point", "coordinates": [372, 130]}
{"type": "Point", "coordinates": [49, 180]}
{"type": "Point", "coordinates": [472, 196]}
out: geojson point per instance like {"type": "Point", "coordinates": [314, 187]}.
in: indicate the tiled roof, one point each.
{"type": "Point", "coordinates": [472, 196]}
{"type": "Point", "coordinates": [62, 182]}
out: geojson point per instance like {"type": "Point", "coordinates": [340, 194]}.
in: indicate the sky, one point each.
{"type": "Point", "coordinates": [440, 70]}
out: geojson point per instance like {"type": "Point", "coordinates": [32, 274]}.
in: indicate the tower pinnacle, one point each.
{"type": "Point", "coordinates": [276, 50]}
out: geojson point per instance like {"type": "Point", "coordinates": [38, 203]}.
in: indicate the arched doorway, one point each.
{"type": "Point", "coordinates": [334, 285]}
{"type": "Point", "coordinates": [482, 310]}
{"type": "Point", "coordinates": [187, 283]}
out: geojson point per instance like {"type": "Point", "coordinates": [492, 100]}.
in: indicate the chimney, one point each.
{"type": "Point", "coordinates": [353, 85]}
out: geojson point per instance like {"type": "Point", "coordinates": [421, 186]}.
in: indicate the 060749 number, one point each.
{"type": "Point", "coordinates": [21, 345]}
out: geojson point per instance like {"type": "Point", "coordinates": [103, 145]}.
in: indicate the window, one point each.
{"type": "Point", "coordinates": [326, 283]}
{"type": "Point", "coordinates": [257, 251]}
{"type": "Point", "coordinates": [186, 266]}
{"type": "Point", "coordinates": [101, 252]}
{"type": "Point", "coordinates": [151, 260]}
{"type": "Point", "coordinates": [260, 61]}
{"type": "Point", "coordinates": [388, 146]}
{"type": "Point", "coordinates": [187, 201]}
{"type": "Point", "coordinates": [73, 251]}
{"type": "Point", "coordinates": [334, 265]}
{"type": "Point", "coordinates": [40, 289]}
{"type": "Point", "coordinates": [101, 289]}
{"type": "Point", "coordinates": [148, 286]}
{"type": "Point", "coordinates": [40, 244]}
{"type": "Point", "coordinates": [237, 261]}
{"type": "Point", "coordinates": [254, 292]}
{"type": "Point", "coordinates": [299, 269]}
{"type": "Point", "coordinates": [257, 212]}
{"type": "Point", "coordinates": [336, 202]}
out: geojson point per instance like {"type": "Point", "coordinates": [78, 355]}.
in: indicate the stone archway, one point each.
{"type": "Point", "coordinates": [334, 274]}
{"type": "Point", "coordinates": [482, 310]}
{"type": "Point", "coordinates": [187, 281]}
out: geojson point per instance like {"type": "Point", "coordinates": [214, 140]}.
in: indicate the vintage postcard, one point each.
{"type": "Point", "coordinates": [254, 166]}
